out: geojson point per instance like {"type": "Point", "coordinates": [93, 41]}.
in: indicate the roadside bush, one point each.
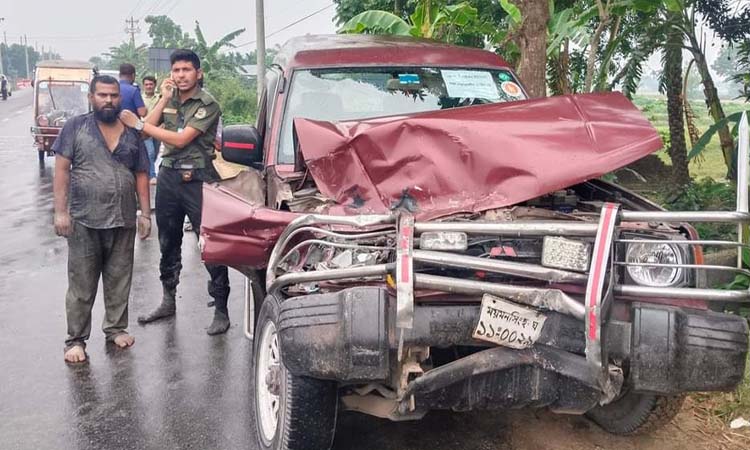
{"type": "Point", "coordinates": [235, 94]}
{"type": "Point", "coordinates": [708, 194]}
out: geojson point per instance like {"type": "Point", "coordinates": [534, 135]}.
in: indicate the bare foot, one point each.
{"type": "Point", "coordinates": [124, 340]}
{"type": "Point", "coordinates": [75, 354]}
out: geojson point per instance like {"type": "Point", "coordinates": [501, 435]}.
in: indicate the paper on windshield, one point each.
{"type": "Point", "coordinates": [470, 83]}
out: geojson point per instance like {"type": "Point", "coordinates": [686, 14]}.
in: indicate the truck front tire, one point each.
{"type": "Point", "coordinates": [636, 413]}
{"type": "Point", "coordinates": [291, 413]}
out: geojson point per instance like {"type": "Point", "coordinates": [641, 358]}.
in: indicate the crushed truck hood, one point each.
{"type": "Point", "coordinates": [472, 159]}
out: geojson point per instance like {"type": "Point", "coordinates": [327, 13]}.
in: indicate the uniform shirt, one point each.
{"type": "Point", "coordinates": [151, 102]}
{"type": "Point", "coordinates": [130, 97]}
{"type": "Point", "coordinates": [200, 112]}
{"type": "Point", "coordinates": [102, 183]}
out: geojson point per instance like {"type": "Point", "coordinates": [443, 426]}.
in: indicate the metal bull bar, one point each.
{"type": "Point", "coordinates": [406, 252]}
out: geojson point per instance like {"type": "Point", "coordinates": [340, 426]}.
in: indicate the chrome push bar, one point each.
{"type": "Point", "coordinates": [381, 225]}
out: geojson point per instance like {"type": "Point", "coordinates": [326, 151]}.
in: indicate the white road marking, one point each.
{"type": "Point", "coordinates": [6, 119]}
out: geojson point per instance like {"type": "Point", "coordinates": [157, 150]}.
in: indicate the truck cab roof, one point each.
{"type": "Point", "coordinates": [359, 50]}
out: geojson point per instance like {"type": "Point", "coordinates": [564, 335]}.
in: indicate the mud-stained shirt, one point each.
{"type": "Point", "coordinates": [102, 182]}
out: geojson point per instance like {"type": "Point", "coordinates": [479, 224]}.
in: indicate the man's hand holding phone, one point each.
{"type": "Point", "coordinates": [168, 88]}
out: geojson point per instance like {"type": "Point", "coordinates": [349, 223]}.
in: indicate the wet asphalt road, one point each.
{"type": "Point", "coordinates": [177, 388]}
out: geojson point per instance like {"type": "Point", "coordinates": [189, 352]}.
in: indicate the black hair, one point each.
{"type": "Point", "coordinates": [149, 78]}
{"type": "Point", "coordinates": [127, 69]}
{"type": "Point", "coordinates": [185, 55]}
{"type": "Point", "coordinates": [103, 79]}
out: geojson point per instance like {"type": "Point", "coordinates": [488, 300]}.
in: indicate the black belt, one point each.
{"type": "Point", "coordinates": [180, 164]}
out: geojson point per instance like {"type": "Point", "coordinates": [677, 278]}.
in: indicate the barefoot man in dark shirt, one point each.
{"type": "Point", "coordinates": [99, 168]}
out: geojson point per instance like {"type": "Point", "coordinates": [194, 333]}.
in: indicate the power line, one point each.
{"type": "Point", "coordinates": [287, 26]}
{"type": "Point", "coordinates": [135, 8]}
{"type": "Point", "coordinates": [176, 3]}
{"type": "Point", "coordinates": [154, 7]}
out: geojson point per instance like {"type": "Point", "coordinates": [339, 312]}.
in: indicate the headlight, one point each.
{"type": "Point", "coordinates": [657, 253]}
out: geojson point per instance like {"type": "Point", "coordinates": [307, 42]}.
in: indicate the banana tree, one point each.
{"type": "Point", "coordinates": [429, 20]}
{"type": "Point", "coordinates": [128, 52]}
{"type": "Point", "coordinates": [688, 14]}
{"type": "Point", "coordinates": [210, 54]}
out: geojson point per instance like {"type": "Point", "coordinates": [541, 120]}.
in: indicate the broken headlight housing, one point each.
{"type": "Point", "coordinates": [658, 253]}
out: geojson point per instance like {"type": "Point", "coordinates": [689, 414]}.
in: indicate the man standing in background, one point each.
{"type": "Point", "coordinates": [130, 95]}
{"type": "Point", "coordinates": [151, 98]}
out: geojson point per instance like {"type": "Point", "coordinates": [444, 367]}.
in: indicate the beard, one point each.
{"type": "Point", "coordinates": [107, 114]}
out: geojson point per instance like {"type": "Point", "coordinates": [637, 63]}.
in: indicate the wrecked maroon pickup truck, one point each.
{"type": "Point", "coordinates": [417, 234]}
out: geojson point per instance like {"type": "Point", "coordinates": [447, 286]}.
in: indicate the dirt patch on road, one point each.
{"type": "Point", "coordinates": [693, 428]}
{"type": "Point", "coordinates": [696, 427]}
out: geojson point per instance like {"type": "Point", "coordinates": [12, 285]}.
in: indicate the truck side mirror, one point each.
{"type": "Point", "coordinates": [242, 144]}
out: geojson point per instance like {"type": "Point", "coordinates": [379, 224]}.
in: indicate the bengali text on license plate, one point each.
{"type": "Point", "coordinates": [505, 323]}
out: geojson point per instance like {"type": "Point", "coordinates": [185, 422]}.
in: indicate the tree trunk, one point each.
{"type": "Point", "coordinates": [532, 40]}
{"type": "Point", "coordinates": [594, 44]}
{"type": "Point", "coordinates": [673, 76]}
{"type": "Point", "coordinates": [714, 106]}
{"type": "Point", "coordinates": [693, 130]}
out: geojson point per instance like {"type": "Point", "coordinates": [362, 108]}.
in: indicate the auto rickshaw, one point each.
{"type": "Point", "coordinates": [60, 92]}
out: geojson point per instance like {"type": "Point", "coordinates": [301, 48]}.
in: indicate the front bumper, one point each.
{"type": "Point", "coordinates": [351, 336]}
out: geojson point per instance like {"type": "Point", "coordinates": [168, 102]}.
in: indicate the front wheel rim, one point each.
{"type": "Point", "coordinates": [269, 361]}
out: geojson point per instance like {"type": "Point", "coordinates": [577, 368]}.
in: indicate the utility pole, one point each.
{"type": "Point", "coordinates": [5, 41]}
{"type": "Point", "coordinates": [26, 51]}
{"type": "Point", "coordinates": [260, 52]}
{"type": "Point", "coordinates": [2, 66]}
{"type": "Point", "coordinates": [132, 28]}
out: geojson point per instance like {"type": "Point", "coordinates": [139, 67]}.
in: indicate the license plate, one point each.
{"type": "Point", "coordinates": [505, 323]}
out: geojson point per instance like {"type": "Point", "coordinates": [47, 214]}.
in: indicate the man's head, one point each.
{"type": "Point", "coordinates": [104, 96]}
{"type": "Point", "coordinates": [149, 85]}
{"type": "Point", "coordinates": [127, 72]}
{"type": "Point", "coordinates": [186, 69]}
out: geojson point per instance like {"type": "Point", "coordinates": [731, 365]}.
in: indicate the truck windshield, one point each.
{"type": "Point", "coordinates": [350, 94]}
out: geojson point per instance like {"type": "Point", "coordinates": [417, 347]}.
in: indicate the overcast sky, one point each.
{"type": "Point", "coordinates": [80, 29]}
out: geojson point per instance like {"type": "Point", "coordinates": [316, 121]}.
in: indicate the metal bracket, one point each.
{"type": "Point", "coordinates": [595, 286]}
{"type": "Point", "coordinates": [405, 272]}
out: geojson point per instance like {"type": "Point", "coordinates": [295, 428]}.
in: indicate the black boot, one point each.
{"type": "Point", "coordinates": [220, 324]}
{"type": "Point", "coordinates": [165, 309]}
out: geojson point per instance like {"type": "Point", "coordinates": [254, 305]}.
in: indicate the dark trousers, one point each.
{"type": "Point", "coordinates": [95, 253]}
{"type": "Point", "coordinates": [176, 198]}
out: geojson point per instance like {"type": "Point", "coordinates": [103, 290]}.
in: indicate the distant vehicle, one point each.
{"type": "Point", "coordinates": [60, 92]}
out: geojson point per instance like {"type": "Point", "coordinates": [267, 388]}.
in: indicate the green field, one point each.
{"type": "Point", "coordinates": [712, 163]}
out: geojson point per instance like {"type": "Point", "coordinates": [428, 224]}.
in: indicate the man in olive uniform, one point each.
{"type": "Point", "coordinates": [190, 116]}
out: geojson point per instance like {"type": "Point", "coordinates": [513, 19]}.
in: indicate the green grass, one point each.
{"type": "Point", "coordinates": [728, 405]}
{"type": "Point", "coordinates": [711, 165]}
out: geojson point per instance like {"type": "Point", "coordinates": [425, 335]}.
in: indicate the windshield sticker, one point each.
{"type": "Point", "coordinates": [84, 87]}
{"type": "Point", "coordinates": [504, 76]}
{"type": "Point", "coordinates": [43, 85]}
{"type": "Point", "coordinates": [511, 88]}
{"type": "Point", "coordinates": [470, 84]}
{"type": "Point", "coordinates": [408, 78]}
